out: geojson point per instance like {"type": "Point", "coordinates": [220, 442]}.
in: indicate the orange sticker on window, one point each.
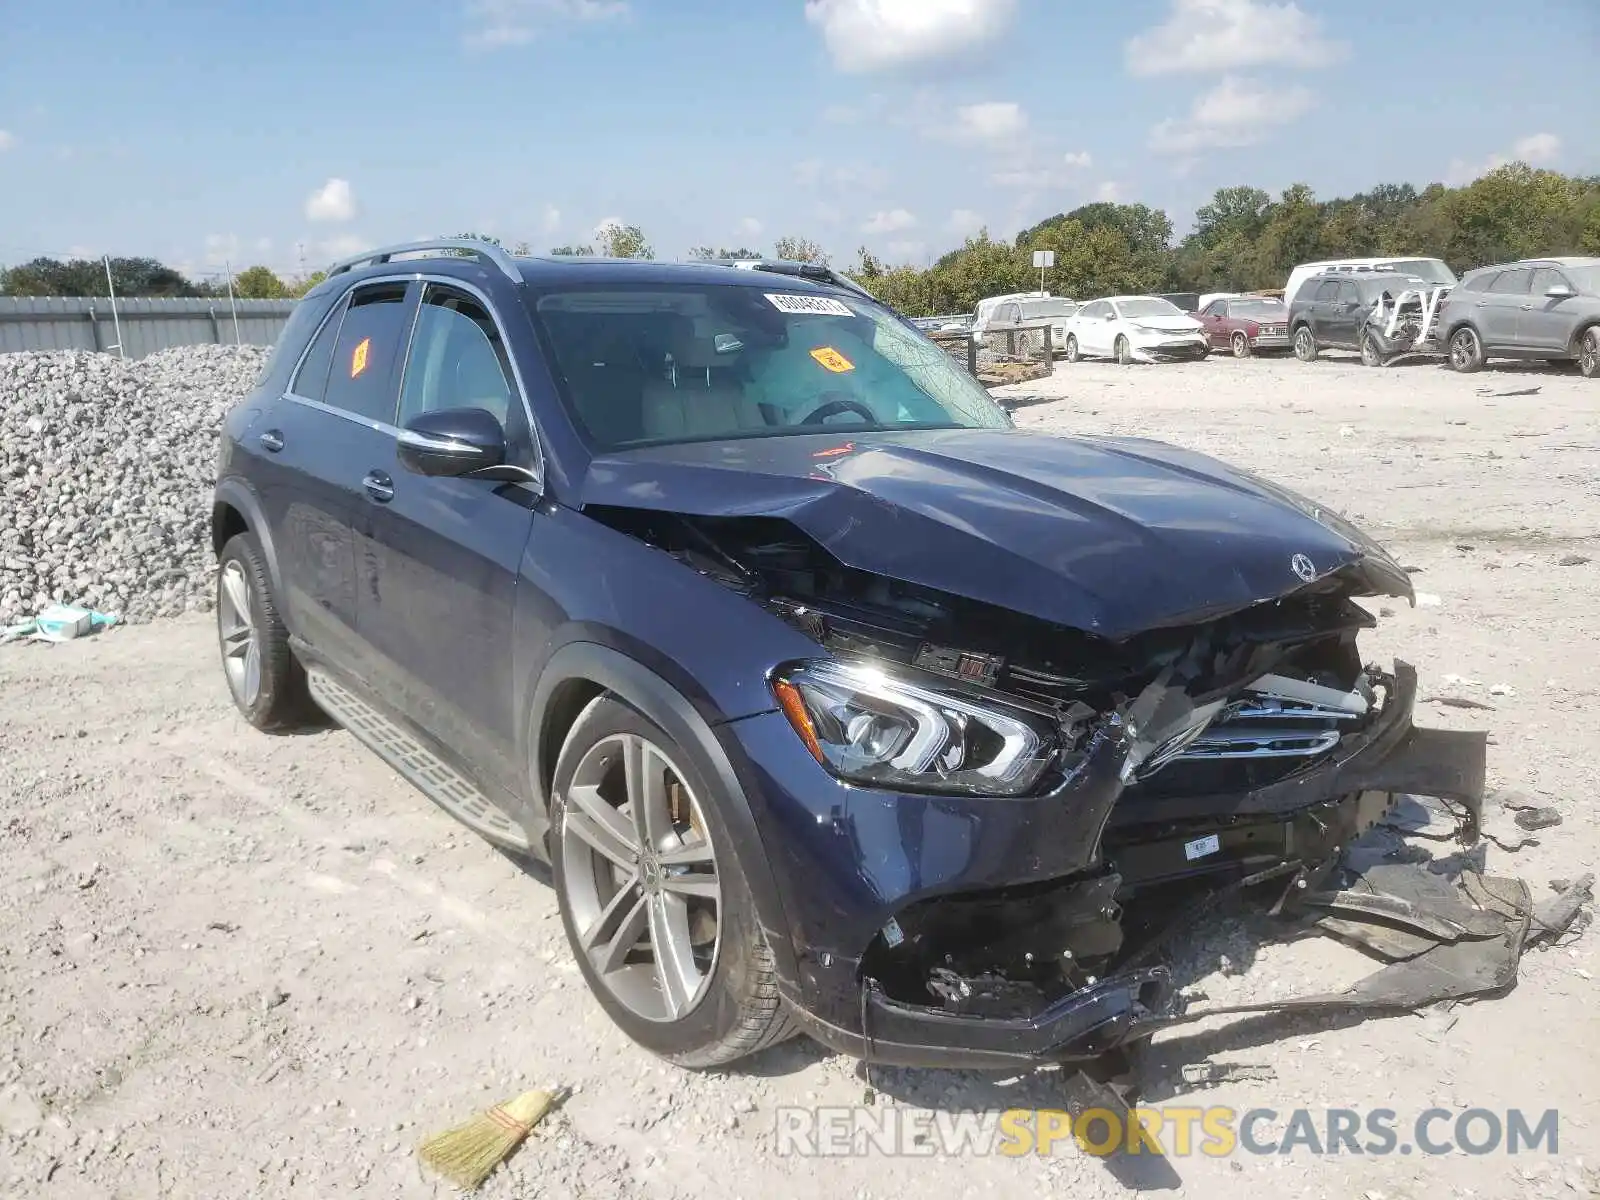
{"type": "Point", "coordinates": [358, 360]}
{"type": "Point", "coordinates": [832, 360]}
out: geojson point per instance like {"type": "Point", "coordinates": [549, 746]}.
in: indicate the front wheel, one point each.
{"type": "Point", "coordinates": [1371, 354]}
{"type": "Point", "coordinates": [1124, 351]}
{"type": "Point", "coordinates": [1073, 353]}
{"type": "Point", "coordinates": [1305, 344]}
{"type": "Point", "coordinates": [1466, 350]}
{"type": "Point", "coordinates": [1589, 353]}
{"type": "Point", "coordinates": [655, 908]}
{"type": "Point", "coordinates": [1241, 346]}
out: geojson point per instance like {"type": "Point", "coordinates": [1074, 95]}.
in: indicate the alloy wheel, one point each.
{"type": "Point", "coordinates": [1464, 350]}
{"type": "Point", "coordinates": [236, 628]}
{"type": "Point", "coordinates": [1589, 354]}
{"type": "Point", "coordinates": [1304, 346]}
{"type": "Point", "coordinates": [1241, 346]}
{"type": "Point", "coordinates": [640, 877]}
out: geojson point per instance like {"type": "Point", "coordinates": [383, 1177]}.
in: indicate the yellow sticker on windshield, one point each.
{"type": "Point", "coordinates": [830, 358]}
{"type": "Point", "coordinates": [358, 360]}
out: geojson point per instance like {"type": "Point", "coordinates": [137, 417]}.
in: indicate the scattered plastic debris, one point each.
{"type": "Point", "coordinates": [1219, 1072]}
{"type": "Point", "coordinates": [1428, 600]}
{"type": "Point", "coordinates": [59, 623]}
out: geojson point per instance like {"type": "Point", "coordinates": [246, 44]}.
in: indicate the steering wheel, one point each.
{"type": "Point", "coordinates": [835, 406]}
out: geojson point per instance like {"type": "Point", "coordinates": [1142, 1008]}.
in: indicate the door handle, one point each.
{"type": "Point", "coordinates": [271, 440]}
{"type": "Point", "coordinates": [1482, 304]}
{"type": "Point", "coordinates": [379, 486]}
{"type": "Point", "coordinates": [1527, 308]}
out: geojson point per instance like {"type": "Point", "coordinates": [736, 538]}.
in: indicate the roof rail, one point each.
{"type": "Point", "coordinates": [816, 272]}
{"type": "Point", "coordinates": [475, 247]}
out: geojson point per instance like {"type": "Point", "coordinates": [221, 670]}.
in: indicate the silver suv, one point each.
{"type": "Point", "coordinates": [1545, 308]}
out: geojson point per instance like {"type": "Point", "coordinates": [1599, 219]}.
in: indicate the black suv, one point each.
{"type": "Point", "coordinates": [1330, 312]}
{"type": "Point", "coordinates": [835, 702]}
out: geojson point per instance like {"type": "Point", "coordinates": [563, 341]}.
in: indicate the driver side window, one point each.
{"type": "Point", "coordinates": [458, 359]}
{"type": "Point", "coordinates": [1216, 308]}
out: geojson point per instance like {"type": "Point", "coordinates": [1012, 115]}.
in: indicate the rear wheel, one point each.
{"type": "Point", "coordinates": [1466, 350]}
{"type": "Point", "coordinates": [655, 908]}
{"type": "Point", "coordinates": [1073, 354]}
{"type": "Point", "coordinates": [1241, 346]}
{"type": "Point", "coordinates": [1305, 344]}
{"type": "Point", "coordinates": [1124, 351]}
{"type": "Point", "coordinates": [266, 681]}
{"type": "Point", "coordinates": [1589, 352]}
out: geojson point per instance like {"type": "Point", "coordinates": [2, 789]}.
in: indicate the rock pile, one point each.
{"type": "Point", "coordinates": [106, 470]}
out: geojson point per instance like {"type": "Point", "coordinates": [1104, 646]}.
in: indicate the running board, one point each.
{"type": "Point", "coordinates": [421, 768]}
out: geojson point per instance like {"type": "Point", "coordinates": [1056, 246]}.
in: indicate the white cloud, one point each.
{"type": "Point", "coordinates": [495, 23]}
{"type": "Point", "coordinates": [877, 35]}
{"type": "Point", "coordinates": [1081, 159]}
{"type": "Point", "coordinates": [1109, 191]}
{"type": "Point", "coordinates": [605, 225]}
{"type": "Point", "coordinates": [964, 222]}
{"type": "Point", "coordinates": [1537, 150]}
{"type": "Point", "coordinates": [989, 122]}
{"type": "Point", "coordinates": [343, 245]}
{"type": "Point", "coordinates": [1237, 112]}
{"type": "Point", "coordinates": [7, 140]}
{"type": "Point", "coordinates": [907, 252]}
{"type": "Point", "coordinates": [750, 228]}
{"type": "Point", "coordinates": [1047, 174]}
{"type": "Point", "coordinates": [891, 220]}
{"type": "Point", "coordinates": [550, 219]}
{"type": "Point", "coordinates": [1223, 35]}
{"type": "Point", "coordinates": [333, 201]}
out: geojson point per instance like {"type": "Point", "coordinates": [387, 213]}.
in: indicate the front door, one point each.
{"type": "Point", "coordinates": [439, 557]}
{"type": "Point", "coordinates": [1547, 322]}
{"type": "Point", "coordinates": [1217, 333]}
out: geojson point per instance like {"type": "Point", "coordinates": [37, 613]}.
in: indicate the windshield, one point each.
{"type": "Point", "coordinates": [1430, 270]}
{"type": "Point", "coordinates": [1256, 309]}
{"type": "Point", "coordinates": [1148, 306]}
{"type": "Point", "coordinates": [1584, 279]}
{"type": "Point", "coordinates": [648, 364]}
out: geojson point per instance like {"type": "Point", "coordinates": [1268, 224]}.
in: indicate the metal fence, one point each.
{"type": "Point", "coordinates": [1011, 355]}
{"type": "Point", "coordinates": [136, 327]}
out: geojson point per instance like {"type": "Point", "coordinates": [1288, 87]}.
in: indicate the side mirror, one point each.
{"type": "Point", "coordinates": [452, 441]}
{"type": "Point", "coordinates": [1560, 292]}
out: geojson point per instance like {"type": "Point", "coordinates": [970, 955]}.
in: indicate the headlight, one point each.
{"type": "Point", "coordinates": [869, 727]}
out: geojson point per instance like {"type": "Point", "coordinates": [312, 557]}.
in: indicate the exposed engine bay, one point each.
{"type": "Point", "coordinates": [1251, 750]}
{"type": "Point", "coordinates": [1404, 325]}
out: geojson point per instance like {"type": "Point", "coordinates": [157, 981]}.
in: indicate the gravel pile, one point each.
{"type": "Point", "coordinates": [106, 469]}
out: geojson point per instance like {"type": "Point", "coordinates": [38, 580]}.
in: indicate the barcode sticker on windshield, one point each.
{"type": "Point", "coordinates": [1202, 846]}
{"type": "Point", "coordinates": [824, 306]}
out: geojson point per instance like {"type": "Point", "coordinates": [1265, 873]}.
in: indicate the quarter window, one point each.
{"type": "Point", "coordinates": [361, 378]}
{"type": "Point", "coordinates": [458, 358]}
{"type": "Point", "coordinates": [311, 380]}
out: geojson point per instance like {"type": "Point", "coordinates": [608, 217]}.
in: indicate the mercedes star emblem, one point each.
{"type": "Point", "coordinates": [1302, 566]}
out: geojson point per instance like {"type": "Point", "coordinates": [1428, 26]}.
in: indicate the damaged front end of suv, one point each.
{"type": "Point", "coordinates": [1032, 751]}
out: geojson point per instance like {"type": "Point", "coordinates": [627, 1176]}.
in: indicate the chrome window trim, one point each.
{"type": "Point", "coordinates": [341, 305]}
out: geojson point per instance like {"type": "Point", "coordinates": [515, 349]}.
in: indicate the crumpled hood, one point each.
{"type": "Point", "coordinates": [1108, 535]}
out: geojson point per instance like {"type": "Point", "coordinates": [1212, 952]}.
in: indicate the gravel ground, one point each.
{"type": "Point", "coordinates": [235, 965]}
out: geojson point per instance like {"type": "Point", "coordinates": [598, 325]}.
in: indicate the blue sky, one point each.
{"type": "Point", "coordinates": [263, 131]}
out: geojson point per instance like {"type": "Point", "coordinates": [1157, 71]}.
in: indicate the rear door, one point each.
{"type": "Point", "coordinates": [1548, 322]}
{"type": "Point", "coordinates": [440, 556]}
{"type": "Point", "coordinates": [1503, 306]}
{"type": "Point", "coordinates": [339, 397]}
{"type": "Point", "coordinates": [1344, 315]}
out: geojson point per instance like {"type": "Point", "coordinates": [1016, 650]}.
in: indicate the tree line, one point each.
{"type": "Point", "coordinates": [1243, 239]}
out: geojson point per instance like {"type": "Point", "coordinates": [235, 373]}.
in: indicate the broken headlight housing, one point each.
{"type": "Point", "coordinates": [870, 727]}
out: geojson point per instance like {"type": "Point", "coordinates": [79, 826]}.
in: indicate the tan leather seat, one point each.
{"type": "Point", "coordinates": [696, 396]}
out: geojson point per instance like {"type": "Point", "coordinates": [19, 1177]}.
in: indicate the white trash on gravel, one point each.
{"type": "Point", "coordinates": [106, 470]}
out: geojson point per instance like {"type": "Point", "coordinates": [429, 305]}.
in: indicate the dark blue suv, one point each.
{"type": "Point", "coordinates": [835, 703]}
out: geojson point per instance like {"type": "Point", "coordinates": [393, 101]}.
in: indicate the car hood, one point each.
{"type": "Point", "coordinates": [1167, 324]}
{"type": "Point", "coordinates": [1109, 535]}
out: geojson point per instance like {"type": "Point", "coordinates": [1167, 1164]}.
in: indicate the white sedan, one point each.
{"type": "Point", "coordinates": [1134, 329]}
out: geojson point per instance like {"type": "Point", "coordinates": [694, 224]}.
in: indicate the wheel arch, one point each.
{"type": "Point", "coordinates": [1576, 343]}
{"type": "Point", "coordinates": [236, 509]}
{"type": "Point", "coordinates": [579, 672]}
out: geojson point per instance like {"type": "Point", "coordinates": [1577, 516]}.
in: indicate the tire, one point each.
{"type": "Point", "coordinates": [266, 681]}
{"type": "Point", "coordinates": [1305, 344]}
{"type": "Point", "coordinates": [1241, 346]}
{"type": "Point", "coordinates": [1073, 354]}
{"type": "Point", "coordinates": [1465, 352]}
{"type": "Point", "coordinates": [1124, 353]}
{"type": "Point", "coordinates": [1589, 352]}
{"type": "Point", "coordinates": [704, 1007]}
{"type": "Point", "coordinates": [1371, 352]}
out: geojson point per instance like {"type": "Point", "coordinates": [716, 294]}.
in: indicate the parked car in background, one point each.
{"type": "Point", "coordinates": [989, 308]}
{"type": "Point", "coordinates": [1205, 299]}
{"type": "Point", "coordinates": [1185, 301]}
{"type": "Point", "coordinates": [1545, 308]}
{"type": "Point", "coordinates": [1134, 329]}
{"type": "Point", "coordinates": [1432, 270]}
{"type": "Point", "coordinates": [1330, 311]}
{"type": "Point", "coordinates": [1246, 324]}
{"type": "Point", "coordinates": [1033, 312]}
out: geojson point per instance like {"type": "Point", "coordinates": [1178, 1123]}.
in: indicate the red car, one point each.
{"type": "Point", "coordinates": [1246, 324]}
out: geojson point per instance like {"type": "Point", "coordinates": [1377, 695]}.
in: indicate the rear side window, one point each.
{"type": "Point", "coordinates": [1512, 283]}
{"type": "Point", "coordinates": [363, 375]}
{"type": "Point", "coordinates": [1479, 282]}
{"type": "Point", "coordinates": [311, 380]}
{"type": "Point", "coordinates": [458, 359]}
{"type": "Point", "coordinates": [1327, 290]}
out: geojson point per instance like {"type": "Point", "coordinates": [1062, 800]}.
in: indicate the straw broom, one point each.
{"type": "Point", "coordinates": [468, 1153]}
